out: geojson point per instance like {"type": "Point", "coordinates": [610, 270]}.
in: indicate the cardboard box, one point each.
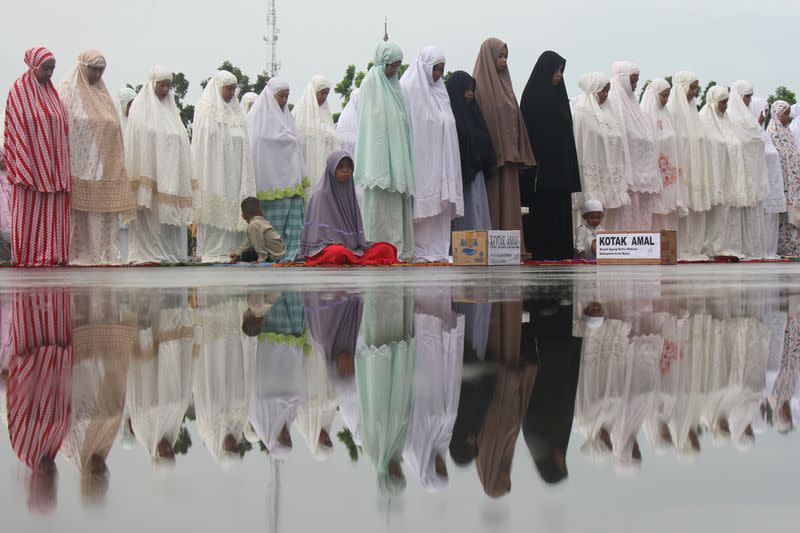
{"type": "Point", "coordinates": [637, 247]}
{"type": "Point", "coordinates": [479, 247]}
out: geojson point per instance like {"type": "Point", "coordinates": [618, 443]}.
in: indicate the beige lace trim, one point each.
{"type": "Point", "coordinates": [164, 198]}
{"type": "Point", "coordinates": [102, 340]}
{"type": "Point", "coordinates": [102, 196]}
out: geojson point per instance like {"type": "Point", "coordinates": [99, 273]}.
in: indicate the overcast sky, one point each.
{"type": "Point", "coordinates": [721, 41]}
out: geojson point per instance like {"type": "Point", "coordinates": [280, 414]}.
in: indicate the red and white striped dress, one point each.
{"type": "Point", "coordinates": [37, 158]}
{"type": "Point", "coordinates": [40, 375]}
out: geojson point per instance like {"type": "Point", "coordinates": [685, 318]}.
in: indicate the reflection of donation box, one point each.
{"type": "Point", "coordinates": [493, 247]}
{"type": "Point", "coordinates": [637, 247]}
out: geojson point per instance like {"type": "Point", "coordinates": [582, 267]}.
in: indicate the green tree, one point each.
{"type": "Point", "coordinates": [782, 93]}
{"type": "Point", "coordinates": [180, 86]}
{"type": "Point", "coordinates": [711, 84]}
{"type": "Point", "coordinates": [261, 81]}
{"type": "Point", "coordinates": [345, 87]}
{"type": "Point", "coordinates": [346, 438]}
{"type": "Point", "coordinates": [184, 441]}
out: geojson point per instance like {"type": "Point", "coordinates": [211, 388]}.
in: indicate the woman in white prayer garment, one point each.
{"type": "Point", "coordinates": [740, 171]}
{"type": "Point", "coordinates": [693, 155]}
{"type": "Point", "coordinates": [439, 196]}
{"type": "Point", "coordinates": [223, 168]}
{"type": "Point", "coordinates": [159, 161]}
{"type": "Point", "coordinates": [221, 376]}
{"type": "Point", "coordinates": [761, 174]}
{"type": "Point", "coordinates": [602, 153]}
{"type": "Point", "coordinates": [750, 113]}
{"type": "Point", "coordinates": [248, 99]}
{"type": "Point", "coordinates": [437, 387]}
{"type": "Point", "coordinates": [123, 103]}
{"type": "Point", "coordinates": [314, 123]}
{"type": "Point", "coordinates": [795, 127]}
{"type": "Point", "coordinates": [318, 407]}
{"type": "Point", "coordinates": [346, 132]}
{"type": "Point", "coordinates": [281, 181]}
{"type": "Point", "coordinates": [641, 168]}
{"type": "Point", "coordinates": [670, 204]}
{"type": "Point", "coordinates": [278, 386]}
{"type": "Point", "coordinates": [159, 387]}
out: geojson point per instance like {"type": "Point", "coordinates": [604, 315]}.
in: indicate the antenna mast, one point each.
{"type": "Point", "coordinates": [271, 38]}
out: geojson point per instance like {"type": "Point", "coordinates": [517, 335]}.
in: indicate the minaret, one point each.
{"type": "Point", "coordinates": [385, 29]}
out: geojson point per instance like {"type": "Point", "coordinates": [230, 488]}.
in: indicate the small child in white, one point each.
{"type": "Point", "coordinates": [586, 235]}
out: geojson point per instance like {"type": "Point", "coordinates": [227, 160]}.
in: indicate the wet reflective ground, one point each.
{"type": "Point", "coordinates": [416, 399]}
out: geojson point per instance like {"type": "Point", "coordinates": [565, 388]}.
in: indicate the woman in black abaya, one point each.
{"type": "Point", "coordinates": [549, 186]}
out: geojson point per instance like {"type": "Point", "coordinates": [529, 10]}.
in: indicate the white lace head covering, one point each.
{"type": "Point", "coordinates": [315, 128]}
{"type": "Point", "coordinates": [641, 169]}
{"type": "Point", "coordinates": [221, 157]}
{"type": "Point", "coordinates": [274, 143]}
{"type": "Point", "coordinates": [437, 159]}
{"type": "Point", "coordinates": [674, 193]}
{"type": "Point", "coordinates": [213, 106]}
{"type": "Point", "coordinates": [248, 99]}
{"type": "Point", "coordinates": [600, 144]}
{"type": "Point", "coordinates": [738, 111]}
{"type": "Point", "coordinates": [158, 154]}
{"type": "Point", "coordinates": [692, 140]}
{"type": "Point", "coordinates": [743, 179]}
{"type": "Point", "coordinates": [124, 96]}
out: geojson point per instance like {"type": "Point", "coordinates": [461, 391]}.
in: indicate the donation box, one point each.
{"type": "Point", "coordinates": [637, 247]}
{"type": "Point", "coordinates": [480, 247]}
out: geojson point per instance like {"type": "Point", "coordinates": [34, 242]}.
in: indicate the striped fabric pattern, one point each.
{"type": "Point", "coordinates": [40, 233]}
{"type": "Point", "coordinates": [36, 131]}
{"type": "Point", "coordinates": [40, 375]}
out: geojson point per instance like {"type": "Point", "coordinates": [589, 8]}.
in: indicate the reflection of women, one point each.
{"type": "Point", "coordinates": [318, 407]}
{"type": "Point", "coordinates": [102, 348]}
{"type": "Point", "coordinates": [160, 377]}
{"type": "Point", "coordinates": [41, 361]}
{"type": "Point", "coordinates": [279, 386]}
{"type": "Point", "coordinates": [440, 345]}
{"type": "Point", "coordinates": [783, 398]}
{"type": "Point", "coordinates": [334, 321]}
{"type": "Point", "coordinates": [384, 371]}
{"type": "Point", "coordinates": [512, 392]}
{"type": "Point", "coordinates": [548, 420]}
{"type": "Point", "coordinates": [219, 382]}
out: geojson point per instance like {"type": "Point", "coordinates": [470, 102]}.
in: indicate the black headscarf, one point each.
{"type": "Point", "coordinates": [475, 144]}
{"type": "Point", "coordinates": [545, 109]}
